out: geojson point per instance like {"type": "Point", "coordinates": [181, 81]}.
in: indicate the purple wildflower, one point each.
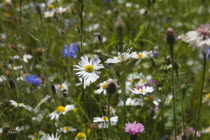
{"type": "Point", "coordinates": [134, 128]}
{"type": "Point", "coordinates": [70, 51]}
{"type": "Point", "coordinates": [34, 79]}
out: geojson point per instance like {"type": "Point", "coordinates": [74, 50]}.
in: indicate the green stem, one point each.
{"type": "Point", "coordinates": [108, 105]}
{"type": "Point", "coordinates": [201, 93]}
{"type": "Point", "coordinates": [172, 86]}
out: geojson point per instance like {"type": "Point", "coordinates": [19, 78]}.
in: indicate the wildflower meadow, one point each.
{"type": "Point", "coordinates": [104, 70]}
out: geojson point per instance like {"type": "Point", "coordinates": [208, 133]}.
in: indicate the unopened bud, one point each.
{"type": "Point", "coordinates": [94, 126]}
{"type": "Point", "coordinates": [12, 134]}
{"type": "Point", "coordinates": [98, 36]}
{"type": "Point", "coordinates": [170, 36]}
{"type": "Point", "coordinates": [111, 87]}
{"type": "Point", "coordinates": [53, 89]}
{"type": "Point", "coordinates": [120, 24]}
{"type": "Point", "coordinates": [12, 84]}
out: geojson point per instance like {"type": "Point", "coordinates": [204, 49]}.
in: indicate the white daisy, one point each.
{"type": "Point", "coordinates": [103, 122]}
{"type": "Point", "coordinates": [48, 14]}
{"type": "Point", "coordinates": [120, 58]}
{"type": "Point", "coordinates": [52, 137]}
{"type": "Point", "coordinates": [61, 87]}
{"type": "Point", "coordinates": [26, 57]}
{"type": "Point", "coordinates": [66, 129]}
{"type": "Point", "coordinates": [102, 88]}
{"type": "Point", "coordinates": [143, 90]}
{"type": "Point", "coordinates": [14, 67]}
{"type": "Point", "coordinates": [132, 102]}
{"type": "Point", "coordinates": [29, 108]}
{"type": "Point", "coordinates": [2, 78]}
{"type": "Point", "coordinates": [88, 70]}
{"type": "Point", "coordinates": [41, 102]}
{"type": "Point", "coordinates": [140, 55]}
{"type": "Point", "coordinates": [104, 119]}
{"type": "Point", "coordinates": [60, 110]}
{"type": "Point", "coordinates": [199, 38]}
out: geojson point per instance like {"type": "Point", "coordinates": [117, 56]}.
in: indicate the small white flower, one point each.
{"type": "Point", "coordinates": [61, 10]}
{"type": "Point", "coordinates": [29, 108]}
{"type": "Point", "coordinates": [103, 122]}
{"type": "Point", "coordinates": [14, 67]}
{"type": "Point", "coordinates": [102, 87]}
{"type": "Point", "coordinates": [61, 87]}
{"type": "Point", "coordinates": [48, 14]}
{"type": "Point", "coordinates": [120, 58]}
{"type": "Point", "coordinates": [143, 90]}
{"type": "Point", "coordinates": [52, 137]}
{"type": "Point", "coordinates": [89, 70]}
{"type": "Point", "coordinates": [140, 55]}
{"type": "Point", "coordinates": [132, 102]}
{"type": "Point", "coordinates": [66, 129]}
{"type": "Point", "coordinates": [2, 78]}
{"type": "Point", "coordinates": [168, 99]}
{"type": "Point", "coordinates": [60, 110]}
{"type": "Point", "coordinates": [26, 57]}
{"type": "Point", "coordinates": [104, 119]}
{"type": "Point", "coordinates": [41, 102]}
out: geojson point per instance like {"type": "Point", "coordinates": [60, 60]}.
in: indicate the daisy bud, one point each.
{"type": "Point", "coordinates": [111, 87]}
{"type": "Point", "coordinates": [183, 87]}
{"type": "Point", "coordinates": [170, 36]}
{"type": "Point", "coordinates": [120, 24]}
{"type": "Point", "coordinates": [99, 36]}
{"type": "Point", "coordinates": [12, 134]}
{"type": "Point", "coordinates": [12, 84]}
{"type": "Point", "coordinates": [53, 89]}
{"type": "Point", "coordinates": [38, 8]}
{"type": "Point", "coordinates": [5, 130]}
{"type": "Point", "coordinates": [176, 66]}
{"type": "Point", "coordinates": [94, 126]}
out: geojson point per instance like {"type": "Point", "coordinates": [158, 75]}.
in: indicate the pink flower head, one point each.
{"type": "Point", "coordinates": [134, 128]}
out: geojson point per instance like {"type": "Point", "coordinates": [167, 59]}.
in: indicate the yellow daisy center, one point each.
{"type": "Point", "coordinates": [89, 68]}
{"type": "Point", "coordinates": [6, 3]}
{"type": "Point", "coordinates": [81, 135]}
{"type": "Point", "coordinates": [51, 6]}
{"type": "Point", "coordinates": [60, 109]}
{"type": "Point", "coordinates": [75, 110]}
{"type": "Point", "coordinates": [150, 98]}
{"type": "Point", "coordinates": [13, 66]}
{"type": "Point", "coordinates": [208, 129]}
{"type": "Point", "coordinates": [208, 96]}
{"type": "Point", "coordinates": [33, 139]}
{"type": "Point", "coordinates": [20, 104]}
{"type": "Point", "coordinates": [141, 90]}
{"type": "Point", "coordinates": [61, 86]}
{"type": "Point", "coordinates": [105, 118]}
{"type": "Point", "coordinates": [104, 86]}
{"type": "Point", "coordinates": [66, 128]}
{"type": "Point", "coordinates": [140, 55]}
{"type": "Point", "coordinates": [90, 55]}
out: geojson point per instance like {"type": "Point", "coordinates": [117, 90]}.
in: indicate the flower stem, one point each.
{"type": "Point", "coordinates": [172, 87]}
{"type": "Point", "coordinates": [133, 137]}
{"type": "Point", "coordinates": [108, 105]}
{"type": "Point", "coordinates": [201, 93]}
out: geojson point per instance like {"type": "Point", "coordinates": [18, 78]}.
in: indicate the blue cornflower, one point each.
{"type": "Point", "coordinates": [70, 51]}
{"type": "Point", "coordinates": [34, 79]}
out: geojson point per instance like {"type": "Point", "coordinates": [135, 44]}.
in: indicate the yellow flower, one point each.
{"type": "Point", "coordinates": [81, 135]}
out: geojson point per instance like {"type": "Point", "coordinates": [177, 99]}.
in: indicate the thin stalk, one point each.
{"type": "Point", "coordinates": [201, 93]}
{"type": "Point", "coordinates": [172, 87]}
{"type": "Point", "coordinates": [109, 126]}
{"type": "Point", "coordinates": [182, 92]}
